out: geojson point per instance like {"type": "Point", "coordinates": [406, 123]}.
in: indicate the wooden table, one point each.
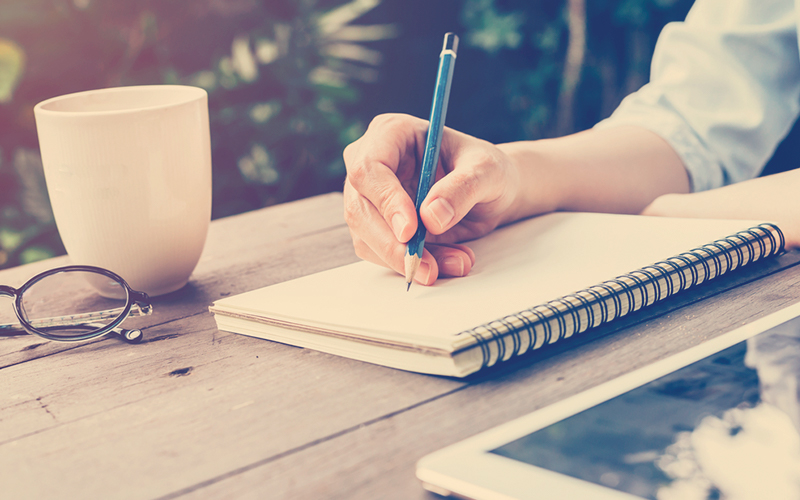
{"type": "Point", "coordinates": [197, 413]}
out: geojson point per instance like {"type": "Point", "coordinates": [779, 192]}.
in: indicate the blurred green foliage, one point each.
{"type": "Point", "coordinates": [291, 82]}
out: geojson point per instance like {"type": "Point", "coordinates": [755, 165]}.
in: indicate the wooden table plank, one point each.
{"type": "Point", "coordinates": [197, 413]}
{"type": "Point", "coordinates": [242, 253]}
{"type": "Point", "coordinates": [377, 460]}
{"type": "Point", "coordinates": [178, 411]}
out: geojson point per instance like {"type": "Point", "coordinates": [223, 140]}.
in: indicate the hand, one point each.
{"type": "Point", "coordinates": [476, 185]}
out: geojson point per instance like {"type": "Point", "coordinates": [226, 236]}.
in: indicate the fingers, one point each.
{"type": "Point", "coordinates": [453, 260]}
{"type": "Point", "coordinates": [444, 261]}
{"type": "Point", "coordinates": [481, 185]}
{"type": "Point", "coordinates": [379, 246]}
{"type": "Point", "coordinates": [382, 169]}
{"type": "Point", "coordinates": [381, 162]}
{"type": "Point", "coordinates": [373, 239]}
{"type": "Point", "coordinates": [428, 271]}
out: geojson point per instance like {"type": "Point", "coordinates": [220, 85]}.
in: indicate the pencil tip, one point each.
{"type": "Point", "coordinates": [408, 287]}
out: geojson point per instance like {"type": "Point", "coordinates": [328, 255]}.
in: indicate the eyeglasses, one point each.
{"type": "Point", "coordinates": [63, 304]}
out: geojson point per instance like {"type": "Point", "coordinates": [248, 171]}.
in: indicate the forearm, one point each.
{"type": "Point", "coordinates": [616, 170]}
{"type": "Point", "coordinates": [764, 199]}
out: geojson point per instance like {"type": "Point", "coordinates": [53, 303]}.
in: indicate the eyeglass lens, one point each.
{"type": "Point", "coordinates": [67, 304]}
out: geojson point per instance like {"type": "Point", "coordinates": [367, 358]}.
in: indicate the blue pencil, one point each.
{"type": "Point", "coordinates": [433, 143]}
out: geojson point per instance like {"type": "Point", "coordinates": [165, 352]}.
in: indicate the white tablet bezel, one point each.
{"type": "Point", "coordinates": [468, 469]}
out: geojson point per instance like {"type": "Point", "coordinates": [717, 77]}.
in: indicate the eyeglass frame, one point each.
{"type": "Point", "coordinates": [136, 304]}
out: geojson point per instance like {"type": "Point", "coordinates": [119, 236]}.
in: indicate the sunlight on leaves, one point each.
{"type": "Point", "coordinates": [12, 63]}
{"type": "Point", "coordinates": [346, 59]}
{"type": "Point", "coordinates": [227, 77]}
{"type": "Point", "coordinates": [371, 33]}
{"type": "Point", "coordinates": [352, 51]}
{"type": "Point", "coordinates": [340, 16]}
{"type": "Point", "coordinates": [262, 112]}
{"type": "Point", "coordinates": [267, 51]}
{"type": "Point", "coordinates": [259, 166]}
{"type": "Point", "coordinates": [242, 59]}
{"type": "Point", "coordinates": [204, 79]}
{"type": "Point", "coordinates": [324, 75]}
{"type": "Point", "coordinates": [287, 75]}
{"type": "Point", "coordinates": [282, 78]}
{"type": "Point", "coordinates": [10, 239]}
{"type": "Point", "coordinates": [489, 29]}
{"type": "Point", "coordinates": [33, 254]}
{"type": "Point", "coordinates": [549, 38]}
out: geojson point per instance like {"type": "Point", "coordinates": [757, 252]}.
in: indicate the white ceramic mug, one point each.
{"type": "Point", "coordinates": [128, 171]}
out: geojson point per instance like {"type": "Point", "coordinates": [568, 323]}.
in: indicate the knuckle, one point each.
{"type": "Point", "coordinates": [357, 172]}
{"type": "Point", "coordinates": [470, 182]}
{"type": "Point", "coordinates": [483, 161]}
{"type": "Point", "coordinates": [386, 199]}
{"type": "Point", "coordinates": [382, 196]}
{"type": "Point", "coordinates": [482, 169]}
{"type": "Point", "coordinates": [379, 120]}
{"type": "Point", "coordinates": [349, 151]}
{"type": "Point", "coordinates": [391, 122]}
{"type": "Point", "coordinates": [353, 211]}
{"type": "Point", "coordinates": [384, 120]}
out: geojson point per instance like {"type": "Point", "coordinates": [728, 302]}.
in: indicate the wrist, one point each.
{"type": "Point", "coordinates": [537, 189]}
{"type": "Point", "coordinates": [616, 170]}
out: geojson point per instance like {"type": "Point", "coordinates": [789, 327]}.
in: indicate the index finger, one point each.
{"type": "Point", "coordinates": [382, 163]}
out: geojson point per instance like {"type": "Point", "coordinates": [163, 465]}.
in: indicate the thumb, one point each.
{"type": "Point", "coordinates": [457, 193]}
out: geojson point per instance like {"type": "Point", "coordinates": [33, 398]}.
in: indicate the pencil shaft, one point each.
{"type": "Point", "coordinates": [433, 142]}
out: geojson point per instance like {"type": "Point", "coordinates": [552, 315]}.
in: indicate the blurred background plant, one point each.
{"type": "Point", "coordinates": [291, 82]}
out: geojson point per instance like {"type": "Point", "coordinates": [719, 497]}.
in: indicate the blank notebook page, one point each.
{"type": "Point", "coordinates": [519, 266]}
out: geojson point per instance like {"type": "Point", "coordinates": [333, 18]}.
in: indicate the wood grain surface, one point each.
{"type": "Point", "coordinates": [197, 413]}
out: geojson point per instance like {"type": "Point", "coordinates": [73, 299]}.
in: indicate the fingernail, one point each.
{"type": "Point", "coordinates": [442, 211]}
{"type": "Point", "coordinates": [398, 223]}
{"type": "Point", "coordinates": [423, 273]}
{"type": "Point", "coordinates": [452, 266]}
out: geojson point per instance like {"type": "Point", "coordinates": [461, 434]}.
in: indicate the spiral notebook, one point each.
{"type": "Point", "coordinates": [535, 282]}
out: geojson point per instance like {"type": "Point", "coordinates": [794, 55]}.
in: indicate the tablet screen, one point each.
{"type": "Point", "coordinates": [723, 427]}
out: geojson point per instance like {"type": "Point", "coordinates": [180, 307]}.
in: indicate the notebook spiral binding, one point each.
{"type": "Point", "coordinates": [561, 318]}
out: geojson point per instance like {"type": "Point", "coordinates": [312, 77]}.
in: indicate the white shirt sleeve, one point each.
{"type": "Point", "coordinates": [724, 88]}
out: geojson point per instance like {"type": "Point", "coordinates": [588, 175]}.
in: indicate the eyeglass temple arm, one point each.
{"type": "Point", "coordinates": [135, 336]}
{"type": "Point", "coordinates": [131, 336]}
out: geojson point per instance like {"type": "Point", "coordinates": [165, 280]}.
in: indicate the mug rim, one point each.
{"type": "Point", "coordinates": [189, 94]}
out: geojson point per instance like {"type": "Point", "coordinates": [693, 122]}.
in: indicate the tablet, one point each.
{"type": "Point", "coordinates": [718, 421]}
